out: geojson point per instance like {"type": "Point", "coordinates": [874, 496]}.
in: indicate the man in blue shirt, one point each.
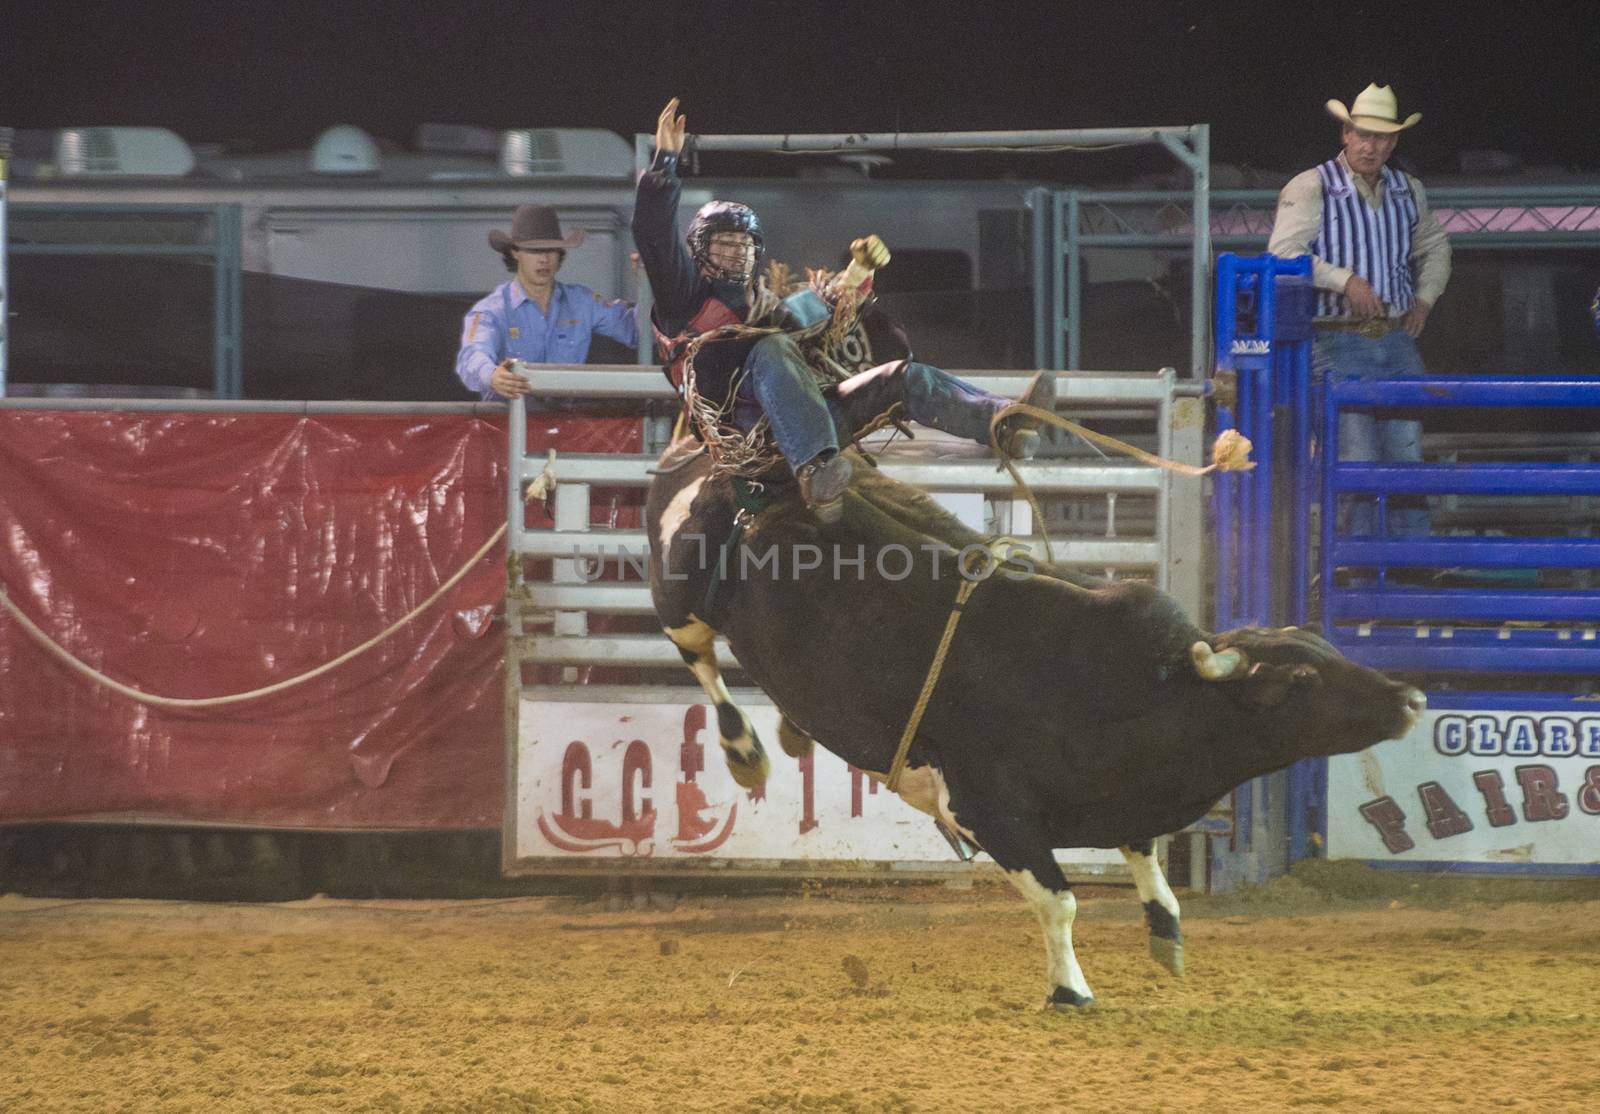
{"type": "Point", "coordinates": [531, 316]}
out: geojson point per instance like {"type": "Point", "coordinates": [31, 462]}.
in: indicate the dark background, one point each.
{"type": "Point", "coordinates": [272, 74]}
{"type": "Point", "coordinates": [265, 76]}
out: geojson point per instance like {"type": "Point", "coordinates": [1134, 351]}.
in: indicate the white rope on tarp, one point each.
{"type": "Point", "coordinates": [538, 489]}
{"type": "Point", "coordinates": [72, 662]}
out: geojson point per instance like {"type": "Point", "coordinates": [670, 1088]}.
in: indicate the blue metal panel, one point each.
{"type": "Point", "coordinates": [1433, 391]}
{"type": "Point", "coordinates": [1224, 497]}
{"type": "Point", "coordinates": [1270, 371]}
{"type": "Point", "coordinates": [1496, 605]}
{"type": "Point", "coordinates": [1260, 611]}
{"type": "Point", "coordinates": [1297, 374]}
{"type": "Point", "coordinates": [1468, 479]}
{"type": "Point", "coordinates": [1513, 702]}
{"type": "Point", "coordinates": [1262, 332]}
{"type": "Point", "coordinates": [1478, 553]}
{"type": "Point", "coordinates": [1457, 655]}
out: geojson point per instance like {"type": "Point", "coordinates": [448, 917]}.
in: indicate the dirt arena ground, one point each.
{"type": "Point", "coordinates": [1315, 992]}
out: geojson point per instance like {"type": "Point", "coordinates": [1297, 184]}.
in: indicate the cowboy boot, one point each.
{"type": "Point", "coordinates": [1019, 434]}
{"type": "Point", "coordinates": [822, 485]}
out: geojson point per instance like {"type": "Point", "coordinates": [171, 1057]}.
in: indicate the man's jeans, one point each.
{"type": "Point", "coordinates": [805, 422]}
{"type": "Point", "coordinates": [1337, 356]}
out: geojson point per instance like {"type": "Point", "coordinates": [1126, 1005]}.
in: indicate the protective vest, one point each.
{"type": "Point", "coordinates": [713, 314]}
{"type": "Point", "coordinates": [1374, 243]}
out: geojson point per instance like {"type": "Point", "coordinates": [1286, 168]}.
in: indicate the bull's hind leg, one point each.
{"type": "Point", "coordinates": [1160, 907]}
{"type": "Point", "coordinates": [795, 742]}
{"type": "Point", "coordinates": [1042, 885]}
{"type": "Point", "coordinates": [746, 758]}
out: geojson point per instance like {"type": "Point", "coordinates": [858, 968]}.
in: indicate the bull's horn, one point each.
{"type": "Point", "coordinates": [1213, 666]}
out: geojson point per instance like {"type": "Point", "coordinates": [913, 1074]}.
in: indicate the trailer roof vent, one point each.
{"type": "Point", "coordinates": [122, 152]}
{"type": "Point", "coordinates": [565, 152]}
{"type": "Point", "coordinates": [344, 149]}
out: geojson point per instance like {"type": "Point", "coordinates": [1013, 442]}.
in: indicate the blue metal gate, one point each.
{"type": "Point", "coordinates": [1502, 619]}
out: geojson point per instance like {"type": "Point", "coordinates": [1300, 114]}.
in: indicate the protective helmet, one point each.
{"type": "Point", "coordinates": [723, 216]}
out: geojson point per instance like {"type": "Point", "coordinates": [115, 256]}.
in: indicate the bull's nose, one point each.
{"type": "Point", "coordinates": [1416, 704]}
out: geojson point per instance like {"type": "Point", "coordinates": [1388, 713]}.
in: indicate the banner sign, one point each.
{"type": "Point", "coordinates": [1473, 786]}
{"type": "Point", "coordinates": [643, 782]}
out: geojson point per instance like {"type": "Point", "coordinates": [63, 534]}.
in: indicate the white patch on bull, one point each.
{"type": "Point", "coordinates": [676, 514]}
{"type": "Point", "coordinates": [924, 789]}
{"type": "Point", "coordinates": [698, 638]}
{"type": "Point", "coordinates": [1056, 912]}
{"type": "Point", "coordinates": [1149, 881]}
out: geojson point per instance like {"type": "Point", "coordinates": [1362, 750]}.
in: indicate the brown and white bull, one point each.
{"type": "Point", "coordinates": [1069, 712]}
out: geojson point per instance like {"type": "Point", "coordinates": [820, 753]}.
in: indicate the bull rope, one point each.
{"type": "Point", "coordinates": [541, 487]}
{"type": "Point", "coordinates": [1230, 452]}
{"type": "Point", "coordinates": [970, 579]}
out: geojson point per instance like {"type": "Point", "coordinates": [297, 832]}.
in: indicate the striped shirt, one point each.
{"type": "Point", "coordinates": [1374, 242]}
{"type": "Point", "coordinates": [1299, 231]}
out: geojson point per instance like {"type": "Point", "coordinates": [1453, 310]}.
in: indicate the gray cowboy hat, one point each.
{"type": "Point", "coordinates": [534, 227]}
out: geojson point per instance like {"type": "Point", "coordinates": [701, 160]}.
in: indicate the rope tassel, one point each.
{"type": "Point", "coordinates": [1229, 453]}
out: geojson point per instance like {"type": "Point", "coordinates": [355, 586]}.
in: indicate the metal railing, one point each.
{"type": "Point", "coordinates": [1068, 223]}
{"type": "Point", "coordinates": [564, 600]}
{"type": "Point", "coordinates": [208, 233]}
{"type": "Point", "coordinates": [1476, 625]}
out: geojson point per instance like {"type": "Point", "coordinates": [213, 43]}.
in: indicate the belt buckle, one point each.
{"type": "Point", "coordinates": [1374, 329]}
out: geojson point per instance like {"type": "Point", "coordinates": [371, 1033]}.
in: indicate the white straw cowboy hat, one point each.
{"type": "Point", "coordinates": [1374, 110]}
{"type": "Point", "coordinates": [535, 228]}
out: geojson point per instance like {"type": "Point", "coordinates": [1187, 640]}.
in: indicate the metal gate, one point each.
{"type": "Point", "coordinates": [1495, 612]}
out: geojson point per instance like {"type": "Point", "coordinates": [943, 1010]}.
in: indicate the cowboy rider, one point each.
{"type": "Point", "coordinates": [707, 279]}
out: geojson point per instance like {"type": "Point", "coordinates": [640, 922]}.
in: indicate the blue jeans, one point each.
{"type": "Point", "coordinates": [1339, 356]}
{"type": "Point", "coordinates": [805, 422]}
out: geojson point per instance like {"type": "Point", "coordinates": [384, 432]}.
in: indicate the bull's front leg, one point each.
{"type": "Point", "coordinates": [746, 757]}
{"type": "Point", "coordinates": [1031, 867]}
{"type": "Point", "coordinates": [1160, 906]}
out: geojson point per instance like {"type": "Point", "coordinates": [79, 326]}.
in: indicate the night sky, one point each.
{"type": "Point", "coordinates": [271, 75]}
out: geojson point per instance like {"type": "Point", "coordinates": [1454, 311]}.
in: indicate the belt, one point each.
{"type": "Point", "coordinates": [1372, 329]}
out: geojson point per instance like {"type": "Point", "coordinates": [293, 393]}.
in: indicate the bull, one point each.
{"type": "Point", "coordinates": [1069, 711]}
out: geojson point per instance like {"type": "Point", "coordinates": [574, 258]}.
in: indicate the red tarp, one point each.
{"type": "Point", "coordinates": [194, 555]}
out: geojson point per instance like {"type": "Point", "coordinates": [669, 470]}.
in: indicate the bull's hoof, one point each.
{"type": "Point", "coordinates": [1166, 939]}
{"type": "Point", "coordinates": [1168, 953]}
{"type": "Point", "coordinates": [795, 742]}
{"type": "Point", "coordinates": [749, 773]}
{"type": "Point", "coordinates": [1064, 1000]}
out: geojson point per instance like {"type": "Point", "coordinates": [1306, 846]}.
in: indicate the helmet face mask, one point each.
{"type": "Point", "coordinates": [725, 241]}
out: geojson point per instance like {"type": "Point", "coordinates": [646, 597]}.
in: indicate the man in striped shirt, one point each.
{"type": "Point", "coordinates": [1380, 260]}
